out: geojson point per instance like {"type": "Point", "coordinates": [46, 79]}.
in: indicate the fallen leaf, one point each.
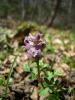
{"type": "Point", "coordinates": [34, 95]}
{"type": "Point", "coordinates": [19, 69]}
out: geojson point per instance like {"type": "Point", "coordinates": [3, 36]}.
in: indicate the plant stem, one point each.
{"type": "Point", "coordinates": [38, 68]}
{"type": "Point", "coordinates": [38, 77]}
{"type": "Point", "coordinates": [9, 75]}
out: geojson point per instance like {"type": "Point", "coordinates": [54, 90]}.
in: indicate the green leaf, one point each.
{"type": "Point", "coordinates": [49, 75]}
{"type": "Point", "coordinates": [45, 66]}
{"type": "Point", "coordinates": [34, 70]}
{"type": "Point", "coordinates": [26, 68]}
{"type": "Point", "coordinates": [54, 97]}
{"type": "Point", "coordinates": [46, 81]}
{"type": "Point", "coordinates": [1, 81]}
{"type": "Point", "coordinates": [41, 62]}
{"type": "Point", "coordinates": [57, 73]}
{"type": "Point", "coordinates": [43, 84]}
{"type": "Point", "coordinates": [32, 77]}
{"type": "Point", "coordinates": [0, 98]}
{"type": "Point", "coordinates": [43, 92]}
{"type": "Point", "coordinates": [50, 48]}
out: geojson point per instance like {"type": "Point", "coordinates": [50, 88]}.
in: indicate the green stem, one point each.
{"type": "Point", "coordinates": [38, 77]}
{"type": "Point", "coordinates": [38, 68]}
{"type": "Point", "coordinates": [9, 75]}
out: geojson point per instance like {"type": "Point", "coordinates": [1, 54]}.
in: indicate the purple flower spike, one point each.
{"type": "Point", "coordinates": [32, 52]}
{"type": "Point", "coordinates": [34, 45]}
{"type": "Point", "coordinates": [40, 46]}
{"type": "Point", "coordinates": [27, 43]}
{"type": "Point", "coordinates": [38, 36]}
{"type": "Point", "coordinates": [32, 37]}
{"type": "Point", "coordinates": [27, 46]}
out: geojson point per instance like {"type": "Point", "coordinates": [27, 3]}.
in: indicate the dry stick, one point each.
{"type": "Point", "coordinates": [9, 75]}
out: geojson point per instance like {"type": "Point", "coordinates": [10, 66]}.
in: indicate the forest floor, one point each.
{"type": "Point", "coordinates": [60, 48]}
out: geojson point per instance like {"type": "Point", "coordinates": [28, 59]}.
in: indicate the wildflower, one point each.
{"type": "Point", "coordinates": [40, 45]}
{"type": "Point", "coordinates": [33, 52]}
{"type": "Point", "coordinates": [34, 45]}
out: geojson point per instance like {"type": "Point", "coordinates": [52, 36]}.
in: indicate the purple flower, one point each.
{"type": "Point", "coordinates": [41, 45]}
{"type": "Point", "coordinates": [33, 52]}
{"type": "Point", "coordinates": [28, 43]}
{"type": "Point", "coordinates": [33, 45]}
{"type": "Point", "coordinates": [38, 36]}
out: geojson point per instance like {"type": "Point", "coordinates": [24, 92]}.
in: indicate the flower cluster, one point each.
{"type": "Point", "coordinates": [33, 44]}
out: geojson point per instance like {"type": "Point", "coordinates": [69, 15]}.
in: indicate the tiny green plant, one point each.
{"type": "Point", "coordinates": [34, 46]}
{"type": "Point", "coordinates": [48, 85]}
{"type": "Point", "coordinates": [5, 94]}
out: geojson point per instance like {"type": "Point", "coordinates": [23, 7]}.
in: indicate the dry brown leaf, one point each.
{"type": "Point", "coordinates": [5, 71]}
{"type": "Point", "coordinates": [35, 93]}
{"type": "Point", "coordinates": [62, 68]}
{"type": "Point", "coordinates": [19, 69]}
{"type": "Point", "coordinates": [17, 77]}
{"type": "Point", "coordinates": [69, 53]}
{"type": "Point", "coordinates": [57, 41]}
